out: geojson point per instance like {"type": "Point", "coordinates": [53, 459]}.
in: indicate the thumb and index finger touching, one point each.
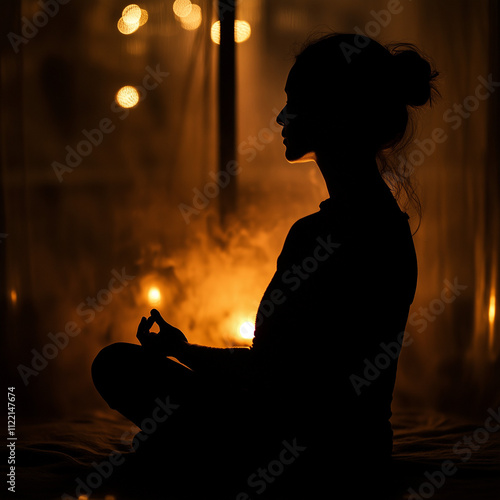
{"type": "Point", "coordinates": [156, 317]}
{"type": "Point", "coordinates": [146, 323]}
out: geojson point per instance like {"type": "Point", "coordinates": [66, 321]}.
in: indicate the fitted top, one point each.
{"type": "Point", "coordinates": [330, 323]}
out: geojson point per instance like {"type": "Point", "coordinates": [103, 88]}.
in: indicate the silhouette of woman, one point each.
{"type": "Point", "coordinates": [317, 382]}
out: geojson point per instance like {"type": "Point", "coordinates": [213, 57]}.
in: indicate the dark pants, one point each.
{"type": "Point", "coordinates": [189, 423]}
{"type": "Point", "coordinates": [206, 432]}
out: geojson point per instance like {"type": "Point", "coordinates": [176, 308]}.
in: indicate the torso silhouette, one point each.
{"type": "Point", "coordinates": [337, 304]}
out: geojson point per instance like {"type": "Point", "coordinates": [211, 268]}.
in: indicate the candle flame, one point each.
{"type": "Point", "coordinates": [154, 296]}
{"type": "Point", "coordinates": [247, 330]}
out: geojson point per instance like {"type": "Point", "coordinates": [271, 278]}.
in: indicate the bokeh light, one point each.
{"type": "Point", "coordinates": [182, 8]}
{"type": "Point", "coordinates": [193, 20]}
{"type": "Point", "coordinates": [491, 312]}
{"type": "Point", "coordinates": [132, 17]}
{"type": "Point", "coordinates": [242, 31]}
{"type": "Point", "coordinates": [127, 97]}
{"type": "Point", "coordinates": [144, 17]}
{"type": "Point", "coordinates": [491, 318]}
{"type": "Point", "coordinates": [125, 28]}
{"type": "Point", "coordinates": [131, 14]}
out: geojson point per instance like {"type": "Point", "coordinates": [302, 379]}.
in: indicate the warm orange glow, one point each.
{"type": "Point", "coordinates": [13, 297]}
{"type": "Point", "coordinates": [127, 97]}
{"type": "Point", "coordinates": [242, 31]}
{"type": "Point", "coordinates": [126, 28]}
{"type": "Point", "coordinates": [247, 330]}
{"type": "Point", "coordinates": [83, 497]}
{"type": "Point", "coordinates": [492, 308]}
{"type": "Point", "coordinates": [491, 318]}
{"type": "Point", "coordinates": [109, 497]}
{"type": "Point", "coordinates": [182, 8]}
{"type": "Point", "coordinates": [144, 17]}
{"type": "Point", "coordinates": [131, 14]}
{"type": "Point", "coordinates": [215, 32]}
{"type": "Point", "coordinates": [193, 20]}
{"type": "Point", "coordinates": [154, 296]}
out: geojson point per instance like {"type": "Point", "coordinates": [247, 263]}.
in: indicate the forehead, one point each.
{"type": "Point", "coordinates": [296, 80]}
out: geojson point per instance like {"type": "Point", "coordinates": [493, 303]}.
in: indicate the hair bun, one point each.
{"type": "Point", "coordinates": [415, 76]}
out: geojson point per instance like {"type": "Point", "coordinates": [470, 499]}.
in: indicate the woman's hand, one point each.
{"type": "Point", "coordinates": [167, 341]}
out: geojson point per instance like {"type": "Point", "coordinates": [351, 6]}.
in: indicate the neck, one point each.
{"type": "Point", "coordinates": [344, 175]}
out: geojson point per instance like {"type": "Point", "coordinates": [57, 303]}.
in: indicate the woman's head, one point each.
{"type": "Point", "coordinates": [348, 90]}
{"type": "Point", "coordinates": [351, 95]}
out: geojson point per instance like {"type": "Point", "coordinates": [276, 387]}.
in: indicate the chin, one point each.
{"type": "Point", "coordinates": [299, 157]}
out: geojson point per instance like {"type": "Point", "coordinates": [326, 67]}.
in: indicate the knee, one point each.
{"type": "Point", "coordinates": [111, 362]}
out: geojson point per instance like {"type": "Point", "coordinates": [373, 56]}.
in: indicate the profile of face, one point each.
{"type": "Point", "coordinates": [297, 119]}
{"type": "Point", "coordinates": [347, 103]}
{"type": "Point", "coordinates": [314, 118]}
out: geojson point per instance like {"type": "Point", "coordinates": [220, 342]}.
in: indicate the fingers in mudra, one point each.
{"type": "Point", "coordinates": [165, 341]}
{"type": "Point", "coordinates": [166, 329]}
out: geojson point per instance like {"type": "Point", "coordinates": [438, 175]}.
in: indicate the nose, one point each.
{"type": "Point", "coordinates": [280, 119]}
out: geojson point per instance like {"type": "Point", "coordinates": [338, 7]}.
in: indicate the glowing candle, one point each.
{"type": "Point", "coordinates": [247, 330]}
{"type": "Point", "coordinates": [154, 296]}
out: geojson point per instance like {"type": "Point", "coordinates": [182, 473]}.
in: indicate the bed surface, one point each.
{"type": "Point", "coordinates": [52, 456]}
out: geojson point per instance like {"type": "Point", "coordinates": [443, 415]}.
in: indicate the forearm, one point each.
{"type": "Point", "coordinates": [202, 358]}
